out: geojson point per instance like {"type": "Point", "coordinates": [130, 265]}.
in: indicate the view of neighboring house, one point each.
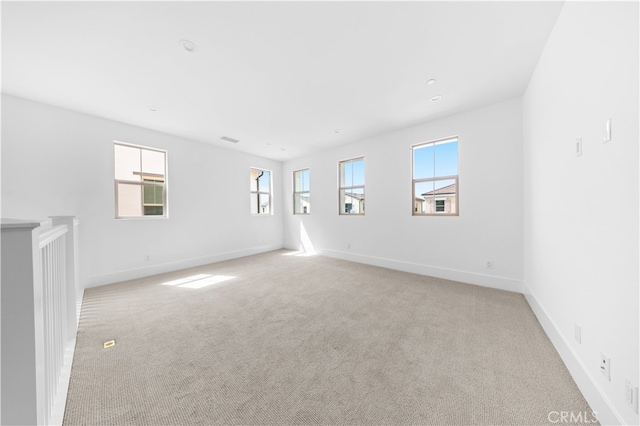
{"type": "Point", "coordinates": [353, 203]}
{"type": "Point", "coordinates": [441, 200]}
{"type": "Point", "coordinates": [304, 204]}
{"type": "Point", "coordinates": [418, 205]}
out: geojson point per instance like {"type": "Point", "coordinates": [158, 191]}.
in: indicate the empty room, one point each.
{"type": "Point", "coordinates": [320, 213]}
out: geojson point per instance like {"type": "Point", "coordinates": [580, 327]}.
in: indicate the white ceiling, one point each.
{"type": "Point", "coordinates": [279, 76]}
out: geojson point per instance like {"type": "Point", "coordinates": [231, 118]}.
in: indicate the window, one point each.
{"type": "Point", "coordinates": [301, 201]}
{"type": "Point", "coordinates": [435, 177]}
{"type": "Point", "coordinates": [260, 183]}
{"type": "Point", "coordinates": [351, 192]}
{"type": "Point", "coordinates": [140, 181]}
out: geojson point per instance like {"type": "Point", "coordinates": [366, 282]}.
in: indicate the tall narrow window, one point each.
{"type": "Point", "coordinates": [351, 192]}
{"type": "Point", "coordinates": [140, 181]}
{"type": "Point", "coordinates": [435, 178]}
{"type": "Point", "coordinates": [260, 184]}
{"type": "Point", "coordinates": [301, 200]}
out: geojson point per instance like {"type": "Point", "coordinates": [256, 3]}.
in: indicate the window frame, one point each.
{"type": "Point", "coordinates": [295, 192]}
{"type": "Point", "coordinates": [435, 177]}
{"type": "Point", "coordinates": [258, 192]}
{"type": "Point", "coordinates": [345, 188]}
{"type": "Point", "coordinates": [142, 183]}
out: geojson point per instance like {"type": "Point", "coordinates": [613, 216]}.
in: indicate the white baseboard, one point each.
{"type": "Point", "coordinates": [483, 280]}
{"type": "Point", "coordinates": [131, 274]}
{"type": "Point", "coordinates": [600, 404]}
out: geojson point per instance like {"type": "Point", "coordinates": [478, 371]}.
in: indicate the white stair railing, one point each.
{"type": "Point", "coordinates": [39, 318]}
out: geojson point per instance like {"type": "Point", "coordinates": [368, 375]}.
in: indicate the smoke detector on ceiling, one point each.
{"type": "Point", "coordinates": [189, 46]}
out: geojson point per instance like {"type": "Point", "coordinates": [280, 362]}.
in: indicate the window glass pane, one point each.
{"type": "Point", "coordinates": [153, 210]}
{"type": "Point", "coordinates": [149, 194]}
{"type": "Point", "coordinates": [253, 179]}
{"type": "Point", "coordinates": [344, 207]}
{"type": "Point", "coordinates": [159, 194]}
{"type": "Point", "coordinates": [153, 194]}
{"type": "Point", "coordinates": [441, 198]}
{"type": "Point", "coordinates": [423, 189]}
{"type": "Point", "coordinates": [446, 155]}
{"type": "Point", "coordinates": [129, 198]}
{"type": "Point", "coordinates": [346, 174]}
{"type": "Point", "coordinates": [445, 186]}
{"type": "Point", "coordinates": [358, 172]}
{"type": "Point", "coordinates": [153, 162]}
{"type": "Point", "coordinates": [418, 205]}
{"type": "Point", "coordinates": [352, 201]}
{"type": "Point", "coordinates": [254, 203]}
{"type": "Point", "coordinates": [127, 161]}
{"type": "Point", "coordinates": [423, 162]}
{"type": "Point", "coordinates": [301, 203]}
{"type": "Point", "coordinates": [265, 182]}
{"type": "Point", "coordinates": [297, 181]}
{"type": "Point", "coordinates": [301, 180]}
{"type": "Point", "coordinates": [265, 204]}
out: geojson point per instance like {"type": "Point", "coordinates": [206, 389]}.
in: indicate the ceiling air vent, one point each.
{"type": "Point", "coordinates": [228, 139]}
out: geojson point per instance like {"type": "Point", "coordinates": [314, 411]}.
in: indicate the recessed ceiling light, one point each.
{"type": "Point", "coordinates": [152, 108]}
{"type": "Point", "coordinates": [431, 81]}
{"type": "Point", "coordinates": [189, 46]}
{"type": "Point", "coordinates": [436, 98]}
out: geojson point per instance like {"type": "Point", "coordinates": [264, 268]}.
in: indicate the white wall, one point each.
{"type": "Point", "coordinates": [59, 162]}
{"type": "Point", "coordinates": [581, 213]}
{"type": "Point", "coordinates": [489, 226]}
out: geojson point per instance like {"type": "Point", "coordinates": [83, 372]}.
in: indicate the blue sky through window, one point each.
{"type": "Point", "coordinates": [265, 181]}
{"type": "Point", "coordinates": [352, 173]}
{"type": "Point", "coordinates": [301, 180]}
{"type": "Point", "coordinates": [435, 160]}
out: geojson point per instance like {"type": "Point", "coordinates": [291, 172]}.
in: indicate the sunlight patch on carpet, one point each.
{"type": "Point", "coordinates": [198, 281]}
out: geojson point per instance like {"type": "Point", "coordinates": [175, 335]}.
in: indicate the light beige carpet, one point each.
{"type": "Point", "coordinates": [312, 340]}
